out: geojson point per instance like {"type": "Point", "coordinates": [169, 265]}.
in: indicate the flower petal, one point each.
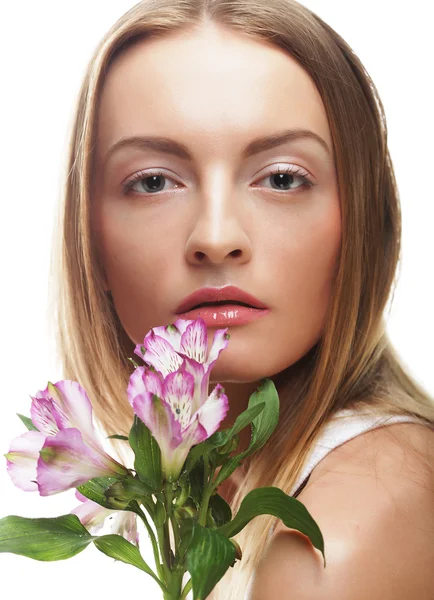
{"type": "Point", "coordinates": [158, 417]}
{"type": "Point", "coordinates": [65, 461]}
{"type": "Point", "coordinates": [201, 382]}
{"type": "Point", "coordinates": [214, 410]}
{"type": "Point", "coordinates": [72, 408]}
{"type": "Point", "coordinates": [194, 434]}
{"type": "Point", "coordinates": [194, 341]}
{"type": "Point", "coordinates": [144, 380]}
{"type": "Point", "coordinates": [80, 496]}
{"type": "Point", "coordinates": [171, 333]}
{"type": "Point", "coordinates": [178, 390]}
{"type": "Point", "coordinates": [219, 343]}
{"type": "Point", "coordinates": [45, 416]}
{"type": "Point", "coordinates": [124, 523]}
{"type": "Point", "coordinates": [160, 354]}
{"type": "Point", "coordinates": [22, 459]}
{"type": "Point", "coordinates": [91, 514]}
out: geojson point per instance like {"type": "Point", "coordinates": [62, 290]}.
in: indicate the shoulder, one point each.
{"type": "Point", "coordinates": [373, 499]}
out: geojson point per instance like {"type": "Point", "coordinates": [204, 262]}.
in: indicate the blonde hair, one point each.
{"type": "Point", "coordinates": [354, 364]}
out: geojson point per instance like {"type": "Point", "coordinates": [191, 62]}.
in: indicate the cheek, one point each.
{"type": "Point", "coordinates": [307, 259]}
{"type": "Point", "coordinates": [132, 244]}
{"type": "Point", "coordinates": [137, 261]}
{"type": "Point", "coordinates": [307, 268]}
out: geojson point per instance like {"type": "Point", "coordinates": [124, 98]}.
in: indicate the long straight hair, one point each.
{"type": "Point", "coordinates": [353, 365]}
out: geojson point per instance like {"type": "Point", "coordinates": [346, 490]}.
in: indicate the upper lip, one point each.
{"type": "Point", "coordinates": [229, 292]}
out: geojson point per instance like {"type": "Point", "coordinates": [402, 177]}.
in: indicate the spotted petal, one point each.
{"type": "Point", "coordinates": [194, 341]}
{"type": "Point", "coordinates": [159, 353]}
{"type": "Point", "coordinates": [178, 390]}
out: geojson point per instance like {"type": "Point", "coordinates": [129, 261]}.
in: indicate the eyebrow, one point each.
{"type": "Point", "coordinates": [169, 146]}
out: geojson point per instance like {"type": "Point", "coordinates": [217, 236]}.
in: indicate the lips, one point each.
{"type": "Point", "coordinates": [216, 296]}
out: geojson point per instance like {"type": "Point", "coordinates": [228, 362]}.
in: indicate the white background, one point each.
{"type": "Point", "coordinates": [44, 48]}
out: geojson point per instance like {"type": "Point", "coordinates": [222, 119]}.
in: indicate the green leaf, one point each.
{"type": "Point", "coordinates": [265, 423]}
{"type": "Point", "coordinates": [28, 422]}
{"type": "Point", "coordinates": [196, 452]}
{"type": "Point", "coordinates": [273, 501]}
{"type": "Point", "coordinates": [117, 547]}
{"type": "Point", "coordinates": [208, 558]}
{"type": "Point", "coordinates": [227, 469]}
{"type": "Point", "coordinates": [196, 482]}
{"type": "Point", "coordinates": [147, 462]}
{"type": "Point", "coordinates": [186, 527]}
{"type": "Point", "coordinates": [220, 438]}
{"type": "Point", "coordinates": [117, 436]}
{"type": "Point", "coordinates": [43, 539]}
{"type": "Point", "coordinates": [220, 510]}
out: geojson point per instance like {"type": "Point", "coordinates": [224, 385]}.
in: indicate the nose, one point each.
{"type": "Point", "coordinates": [219, 235]}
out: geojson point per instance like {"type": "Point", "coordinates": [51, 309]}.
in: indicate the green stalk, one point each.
{"type": "Point", "coordinates": [160, 577]}
{"type": "Point", "coordinates": [174, 573]}
{"type": "Point", "coordinates": [171, 516]}
{"type": "Point", "coordinates": [153, 541]}
{"type": "Point", "coordinates": [208, 488]}
{"type": "Point", "coordinates": [164, 551]}
{"type": "Point", "coordinates": [186, 590]}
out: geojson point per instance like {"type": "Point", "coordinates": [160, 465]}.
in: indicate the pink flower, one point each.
{"type": "Point", "coordinates": [171, 398]}
{"type": "Point", "coordinates": [65, 451]}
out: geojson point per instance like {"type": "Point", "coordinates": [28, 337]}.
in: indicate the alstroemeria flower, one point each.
{"type": "Point", "coordinates": [65, 451]}
{"type": "Point", "coordinates": [93, 516]}
{"type": "Point", "coordinates": [172, 399]}
{"type": "Point", "coordinates": [166, 347]}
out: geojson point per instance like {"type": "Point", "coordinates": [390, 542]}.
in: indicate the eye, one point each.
{"type": "Point", "coordinates": [285, 178]}
{"type": "Point", "coordinates": [151, 182]}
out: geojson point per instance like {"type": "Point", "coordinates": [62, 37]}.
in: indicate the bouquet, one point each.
{"type": "Point", "coordinates": [180, 459]}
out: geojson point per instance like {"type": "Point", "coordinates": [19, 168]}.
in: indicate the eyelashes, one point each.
{"type": "Point", "coordinates": [153, 174]}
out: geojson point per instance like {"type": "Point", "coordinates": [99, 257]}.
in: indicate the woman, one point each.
{"type": "Point", "coordinates": [246, 98]}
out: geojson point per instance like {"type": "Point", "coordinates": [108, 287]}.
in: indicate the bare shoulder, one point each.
{"type": "Point", "coordinates": [373, 499]}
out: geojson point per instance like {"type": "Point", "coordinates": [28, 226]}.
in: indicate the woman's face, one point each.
{"type": "Point", "coordinates": [214, 92]}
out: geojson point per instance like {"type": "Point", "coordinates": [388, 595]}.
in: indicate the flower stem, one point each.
{"type": "Point", "coordinates": [153, 541]}
{"type": "Point", "coordinates": [208, 488]}
{"type": "Point", "coordinates": [171, 517]}
{"type": "Point", "coordinates": [186, 590]}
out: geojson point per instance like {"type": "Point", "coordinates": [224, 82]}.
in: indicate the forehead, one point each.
{"type": "Point", "coordinates": [214, 88]}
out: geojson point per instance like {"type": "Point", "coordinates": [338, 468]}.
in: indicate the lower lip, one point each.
{"type": "Point", "coordinates": [229, 314]}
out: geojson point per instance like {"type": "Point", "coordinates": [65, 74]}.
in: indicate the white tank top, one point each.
{"type": "Point", "coordinates": [344, 425]}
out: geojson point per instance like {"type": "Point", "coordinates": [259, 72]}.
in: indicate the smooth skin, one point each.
{"type": "Point", "coordinates": [220, 218]}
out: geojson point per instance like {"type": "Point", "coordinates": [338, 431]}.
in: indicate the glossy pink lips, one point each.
{"type": "Point", "coordinates": [225, 314]}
